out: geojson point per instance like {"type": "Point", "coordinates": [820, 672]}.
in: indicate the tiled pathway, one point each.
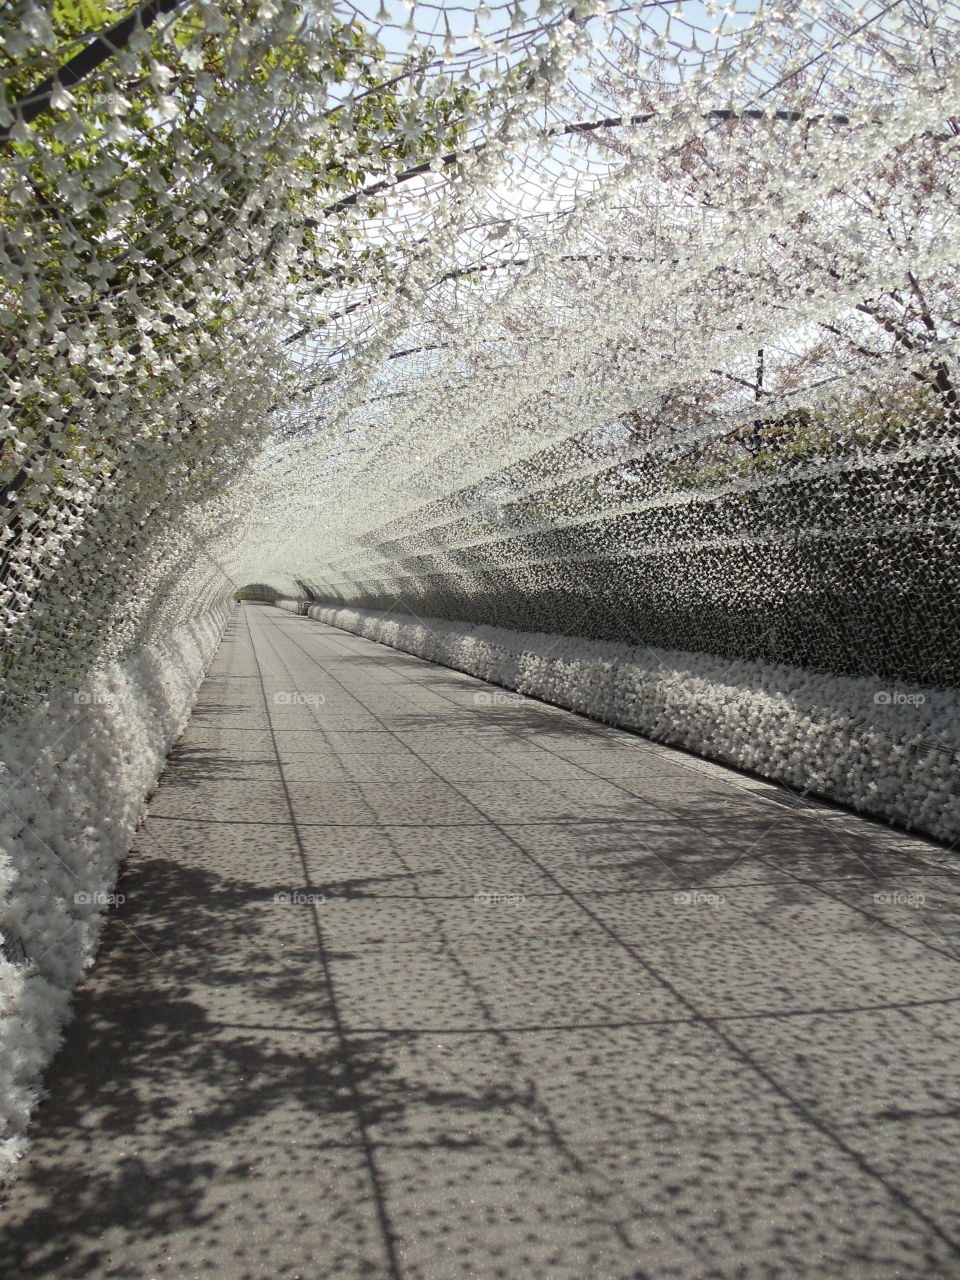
{"type": "Point", "coordinates": [544, 1002]}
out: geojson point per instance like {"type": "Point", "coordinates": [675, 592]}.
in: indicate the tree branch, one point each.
{"type": "Point", "coordinates": [578, 127]}
{"type": "Point", "coordinates": [101, 48]}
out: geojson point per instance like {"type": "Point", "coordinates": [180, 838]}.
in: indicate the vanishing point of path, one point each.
{"type": "Point", "coordinates": [690, 1027]}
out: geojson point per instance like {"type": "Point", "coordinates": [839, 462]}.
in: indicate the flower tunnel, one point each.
{"type": "Point", "coordinates": [605, 351]}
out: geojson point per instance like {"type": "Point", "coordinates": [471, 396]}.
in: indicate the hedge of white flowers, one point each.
{"type": "Point", "coordinates": [891, 751]}
{"type": "Point", "coordinates": [77, 768]}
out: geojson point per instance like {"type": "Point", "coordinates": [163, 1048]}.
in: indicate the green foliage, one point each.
{"type": "Point", "coordinates": [124, 196]}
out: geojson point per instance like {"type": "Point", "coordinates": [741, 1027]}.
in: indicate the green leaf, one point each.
{"type": "Point", "coordinates": [76, 17]}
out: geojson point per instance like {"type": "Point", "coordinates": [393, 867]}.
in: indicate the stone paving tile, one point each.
{"type": "Point", "coordinates": [216, 800]}
{"type": "Point", "coordinates": [660, 1130]}
{"type": "Point", "coordinates": [824, 854]}
{"type": "Point", "coordinates": [300, 740]}
{"type": "Point", "coordinates": [232, 743]}
{"type": "Point", "coordinates": [404, 990]}
{"type": "Point", "coordinates": [622, 764]}
{"type": "Point", "coordinates": [433, 803]}
{"type": "Point", "coordinates": [460, 862]}
{"type": "Point", "coordinates": [407, 926]}
{"type": "Point", "coordinates": [475, 766]}
{"type": "Point", "coordinates": [539, 801]}
{"type": "Point", "coordinates": [408, 862]}
{"type": "Point", "coordinates": [857, 1066]}
{"type": "Point", "coordinates": [624, 1086]}
{"type": "Point", "coordinates": [774, 1206]}
{"type": "Point", "coordinates": [924, 905]}
{"type": "Point", "coordinates": [595, 742]}
{"type": "Point", "coordinates": [198, 764]}
{"type": "Point", "coordinates": [392, 767]}
{"type": "Point", "coordinates": [538, 763]}
{"type": "Point", "coordinates": [919, 1157]}
{"type": "Point", "coordinates": [191, 1157]}
{"type": "Point", "coordinates": [745, 955]}
{"type": "Point", "coordinates": [340, 804]}
{"type": "Point", "coordinates": [368, 742]}
{"type": "Point", "coordinates": [302, 767]}
{"type": "Point", "coordinates": [590, 982]}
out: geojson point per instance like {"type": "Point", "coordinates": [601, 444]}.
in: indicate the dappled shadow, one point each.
{"type": "Point", "coordinates": [204, 1053]}
{"type": "Point", "coordinates": [190, 765]}
{"type": "Point", "coordinates": [507, 716]}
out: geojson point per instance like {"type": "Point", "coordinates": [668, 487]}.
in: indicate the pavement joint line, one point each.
{"type": "Point", "coordinates": [764, 1015]}
{"type": "Point", "coordinates": [387, 1232]}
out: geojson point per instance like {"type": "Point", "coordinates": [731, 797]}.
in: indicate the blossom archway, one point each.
{"type": "Point", "coordinates": [628, 325]}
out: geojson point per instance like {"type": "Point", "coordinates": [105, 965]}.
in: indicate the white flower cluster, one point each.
{"type": "Point", "coordinates": [840, 737]}
{"type": "Point", "coordinates": [74, 773]}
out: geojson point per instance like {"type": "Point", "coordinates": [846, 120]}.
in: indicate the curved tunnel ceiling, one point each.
{"type": "Point", "coordinates": [648, 316]}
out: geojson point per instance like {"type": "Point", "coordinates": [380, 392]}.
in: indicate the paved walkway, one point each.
{"type": "Point", "coordinates": [676, 1035]}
